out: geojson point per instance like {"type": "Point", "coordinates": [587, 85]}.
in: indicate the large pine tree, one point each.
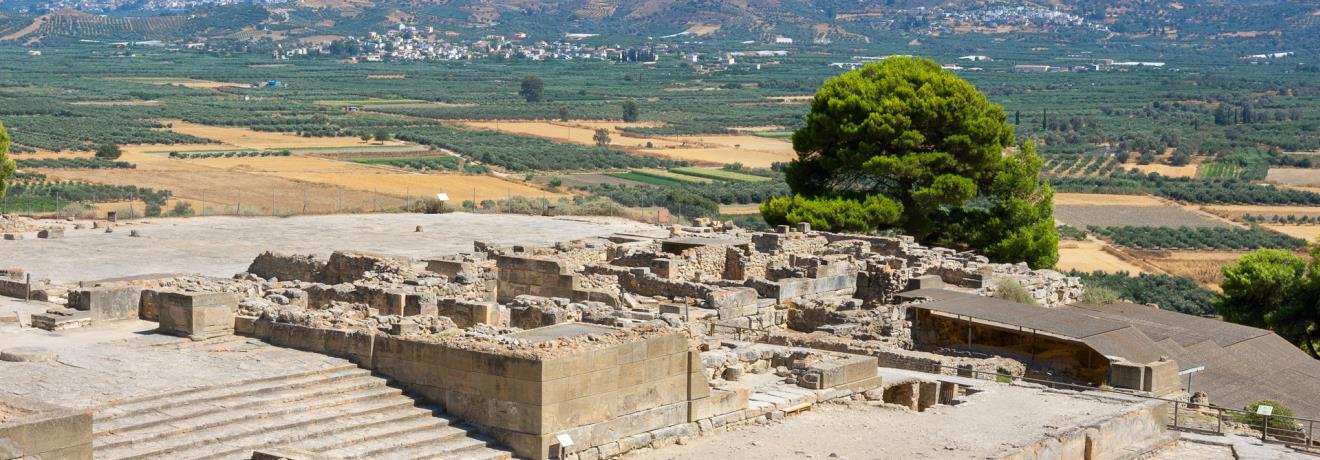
{"type": "Point", "coordinates": [904, 144]}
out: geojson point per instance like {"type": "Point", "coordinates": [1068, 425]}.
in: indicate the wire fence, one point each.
{"type": "Point", "coordinates": [31, 202]}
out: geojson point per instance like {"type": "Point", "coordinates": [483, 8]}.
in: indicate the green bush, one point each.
{"type": "Point", "coordinates": [1007, 289]}
{"type": "Point", "coordinates": [1276, 419]}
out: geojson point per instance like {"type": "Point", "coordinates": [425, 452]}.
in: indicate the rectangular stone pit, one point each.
{"type": "Point", "coordinates": [197, 315]}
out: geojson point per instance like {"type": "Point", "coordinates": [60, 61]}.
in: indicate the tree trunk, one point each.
{"type": "Point", "coordinates": [1310, 345]}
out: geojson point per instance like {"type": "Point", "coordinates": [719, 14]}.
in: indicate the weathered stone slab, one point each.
{"type": "Point", "coordinates": [107, 303]}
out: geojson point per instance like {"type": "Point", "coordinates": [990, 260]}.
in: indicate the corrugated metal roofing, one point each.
{"type": "Point", "coordinates": [1242, 364]}
{"type": "Point", "coordinates": [1048, 320]}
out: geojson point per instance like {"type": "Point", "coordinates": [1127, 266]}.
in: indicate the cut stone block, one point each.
{"type": "Point", "coordinates": [198, 316]}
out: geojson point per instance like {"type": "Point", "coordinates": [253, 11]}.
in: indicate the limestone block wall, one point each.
{"type": "Point", "coordinates": [466, 313]}
{"type": "Point", "coordinates": [19, 288]}
{"type": "Point", "coordinates": [596, 395]}
{"type": "Point", "coordinates": [641, 281]}
{"type": "Point", "coordinates": [540, 277]}
{"type": "Point", "coordinates": [798, 288]}
{"type": "Point", "coordinates": [107, 303]}
{"type": "Point", "coordinates": [700, 263]}
{"type": "Point", "coordinates": [37, 430]}
{"type": "Point", "coordinates": [1071, 358]}
{"type": "Point", "coordinates": [1127, 435]}
{"type": "Point", "coordinates": [286, 267]}
{"type": "Point", "coordinates": [197, 315]}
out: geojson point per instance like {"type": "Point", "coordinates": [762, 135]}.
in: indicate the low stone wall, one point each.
{"type": "Point", "coordinates": [1129, 435]}
{"type": "Point", "coordinates": [897, 358]}
{"type": "Point", "coordinates": [107, 303]}
{"type": "Point", "coordinates": [466, 313]}
{"type": "Point", "coordinates": [532, 276]}
{"type": "Point", "coordinates": [32, 429]}
{"type": "Point", "coordinates": [286, 267]}
{"type": "Point", "coordinates": [18, 289]}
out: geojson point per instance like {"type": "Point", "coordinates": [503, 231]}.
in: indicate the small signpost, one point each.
{"type": "Point", "coordinates": [1266, 411]}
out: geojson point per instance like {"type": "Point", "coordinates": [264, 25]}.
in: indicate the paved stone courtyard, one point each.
{"type": "Point", "coordinates": [223, 246]}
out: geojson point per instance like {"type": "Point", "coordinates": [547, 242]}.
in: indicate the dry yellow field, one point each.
{"type": "Point", "coordinates": [1203, 267]}
{"type": "Point", "coordinates": [1167, 170]}
{"type": "Point", "coordinates": [459, 187]}
{"type": "Point", "coordinates": [1101, 200]}
{"type": "Point", "coordinates": [185, 82]}
{"type": "Point", "coordinates": [575, 132]}
{"type": "Point", "coordinates": [249, 139]}
{"type": "Point", "coordinates": [289, 185]}
{"type": "Point", "coordinates": [1305, 232]}
{"type": "Point", "coordinates": [1234, 211]}
{"type": "Point", "coordinates": [1090, 256]}
{"type": "Point", "coordinates": [740, 209]}
{"type": "Point", "coordinates": [752, 151]}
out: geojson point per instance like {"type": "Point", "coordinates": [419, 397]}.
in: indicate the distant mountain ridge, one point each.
{"type": "Point", "coordinates": [823, 21]}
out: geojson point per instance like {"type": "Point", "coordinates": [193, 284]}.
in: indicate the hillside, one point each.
{"type": "Point", "coordinates": [821, 21]}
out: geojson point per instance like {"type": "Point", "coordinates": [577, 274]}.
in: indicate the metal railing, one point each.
{"type": "Point", "coordinates": [1295, 432]}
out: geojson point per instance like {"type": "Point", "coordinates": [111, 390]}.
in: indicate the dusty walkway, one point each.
{"type": "Point", "coordinates": [987, 424]}
{"type": "Point", "coordinates": [223, 246]}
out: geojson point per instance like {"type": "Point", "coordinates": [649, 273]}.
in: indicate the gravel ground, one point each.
{"type": "Point", "coordinates": [223, 246]}
{"type": "Point", "coordinates": [982, 427]}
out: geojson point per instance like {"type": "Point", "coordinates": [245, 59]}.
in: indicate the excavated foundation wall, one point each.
{"type": "Point", "coordinates": [1129, 435]}
{"type": "Point", "coordinates": [1072, 358]}
{"type": "Point", "coordinates": [598, 395]}
{"type": "Point", "coordinates": [37, 430]}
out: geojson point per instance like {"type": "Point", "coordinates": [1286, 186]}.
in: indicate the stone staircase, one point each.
{"type": "Point", "coordinates": [340, 411]}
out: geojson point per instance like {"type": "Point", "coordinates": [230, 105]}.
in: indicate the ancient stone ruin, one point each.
{"type": "Point", "coordinates": [592, 348]}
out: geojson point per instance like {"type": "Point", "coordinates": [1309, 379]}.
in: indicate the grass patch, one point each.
{"type": "Point", "coordinates": [718, 174]}
{"type": "Point", "coordinates": [660, 173]}
{"type": "Point", "coordinates": [774, 134]}
{"type": "Point", "coordinates": [645, 179]}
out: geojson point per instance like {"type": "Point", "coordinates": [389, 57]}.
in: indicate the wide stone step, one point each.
{"type": "Point", "coordinates": [342, 427]}
{"type": "Point", "coordinates": [419, 420]}
{"type": "Point", "coordinates": [231, 425]}
{"type": "Point", "coordinates": [176, 411]}
{"type": "Point", "coordinates": [128, 405]}
{"type": "Point", "coordinates": [394, 444]}
{"type": "Point", "coordinates": [466, 448]}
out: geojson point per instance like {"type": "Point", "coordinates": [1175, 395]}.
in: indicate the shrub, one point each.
{"type": "Point", "coordinates": [1007, 289]}
{"type": "Point", "coordinates": [182, 209]}
{"type": "Point", "coordinates": [428, 206]}
{"type": "Point", "coordinates": [108, 151]}
{"type": "Point", "coordinates": [1099, 295]}
{"type": "Point", "coordinates": [1276, 420]}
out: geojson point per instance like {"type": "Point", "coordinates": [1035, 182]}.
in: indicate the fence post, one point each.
{"type": "Point", "coordinates": [1264, 427]}
{"type": "Point", "coordinates": [1219, 420]}
{"type": "Point", "coordinates": [1310, 436]}
{"type": "Point", "coordinates": [1175, 413]}
{"type": "Point", "coordinates": [27, 289]}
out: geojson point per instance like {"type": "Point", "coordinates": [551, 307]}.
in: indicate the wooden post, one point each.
{"type": "Point", "coordinates": [969, 332]}
{"type": "Point", "coordinates": [27, 289]}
